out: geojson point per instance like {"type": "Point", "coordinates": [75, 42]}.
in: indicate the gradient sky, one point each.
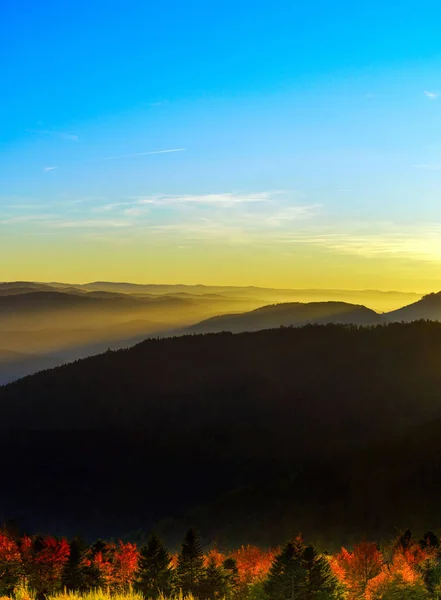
{"type": "Point", "coordinates": [304, 139]}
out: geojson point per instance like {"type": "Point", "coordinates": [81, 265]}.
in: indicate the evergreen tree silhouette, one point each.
{"type": "Point", "coordinates": [287, 576]}
{"type": "Point", "coordinates": [190, 570]}
{"type": "Point", "coordinates": [232, 576]}
{"type": "Point", "coordinates": [155, 575]}
{"type": "Point", "coordinates": [75, 574]}
{"type": "Point", "coordinates": [215, 581]}
{"type": "Point", "coordinates": [320, 583]}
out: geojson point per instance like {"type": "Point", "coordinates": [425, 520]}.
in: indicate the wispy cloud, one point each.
{"type": "Point", "coordinates": [47, 169]}
{"type": "Point", "coordinates": [122, 156]}
{"type": "Point", "coordinates": [431, 95]}
{"type": "Point", "coordinates": [223, 199]}
{"type": "Point", "coordinates": [429, 166]}
{"type": "Point", "coordinates": [60, 134]}
{"type": "Point", "coordinates": [138, 154]}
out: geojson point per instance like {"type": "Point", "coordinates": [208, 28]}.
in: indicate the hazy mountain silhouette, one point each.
{"type": "Point", "coordinates": [429, 307]}
{"type": "Point", "coordinates": [286, 314]}
{"type": "Point", "coordinates": [295, 420]}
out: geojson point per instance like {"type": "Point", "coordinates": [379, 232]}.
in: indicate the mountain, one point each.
{"type": "Point", "coordinates": [14, 365]}
{"type": "Point", "coordinates": [289, 314]}
{"type": "Point", "coordinates": [429, 307]}
{"type": "Point", "coordinates": [280, 429]}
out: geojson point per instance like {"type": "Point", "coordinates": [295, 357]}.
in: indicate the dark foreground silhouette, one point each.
{"type": "Point", "coordinates": [331, 430]}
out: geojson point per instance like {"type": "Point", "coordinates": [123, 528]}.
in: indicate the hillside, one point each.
{"type": "Point", "coordinates": [287, 314]}
{"type": "Point", "coordinates": [429, 307]}
{"type": "Point", "coordinates": [133, 436]}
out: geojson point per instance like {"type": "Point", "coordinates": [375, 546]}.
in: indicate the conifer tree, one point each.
{"type": "Point", "coordinates": [155, 574]}
{"type": "Point", "coordinates": [287, 576]}
{"type": "Point", "coordinates": [320, 582]}
{"type": "Point", "coordinates": [214, 583]}
{"type": "Point", "coordinates": [190, 570]}
{"type": "Point", "coordinates": [232, 576]}
{"type": "Point", "coordinates": [75, 574]}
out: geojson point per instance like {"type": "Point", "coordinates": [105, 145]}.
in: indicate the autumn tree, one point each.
{"type": "Point", "coordinates": [154, 576]}
{"type": "Point", "coordinates": [358, 567]}
{"type": "Point", "coordinates": [253, 564]}
{"type": "Point", "coordinates": [44, 561]}
{"type": "Point", "coordinates": [11, 565]}
{"type": "Point", "coordinates": [190, 569]}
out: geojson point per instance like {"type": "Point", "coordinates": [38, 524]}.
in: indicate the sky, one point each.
{"type": "Point", "coordinates": [282, 144]}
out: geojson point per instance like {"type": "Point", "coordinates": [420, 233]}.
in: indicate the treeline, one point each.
{"type": "Point", "coordinates": [406, 569]}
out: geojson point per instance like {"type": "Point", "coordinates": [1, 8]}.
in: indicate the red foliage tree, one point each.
{"type": "Point", "coordinates": [10, 563]}
{"type": "Point", "coordinates": [44, 559]}
{"type": "Point", "coordinates": [117, 565]}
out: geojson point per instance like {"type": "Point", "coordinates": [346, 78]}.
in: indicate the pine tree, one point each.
{"type": "Point", "coordinates": [287, 576]}
{"type": "Point", "coordinates": [320, 583]}
{"type": "Point", "coordinates": [75, 571]}
{"type": "Point", "coordinates": [155, 575]}
{"type": "Point", "coordinates": [190, 570]}
{"type": "Point", "coordinates": [214, 583]}
{"type": "Point", "coordinates": [232, 576]}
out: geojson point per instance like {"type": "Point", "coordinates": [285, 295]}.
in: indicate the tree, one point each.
{"type": "Point", "coordinates": [232, 576]}
{"type": "Point", "coordinates": [10, 564]}
{"type": "Point", "coordinates": [214, 582]}
{"type": "Point", "coordinates": [287, 576]}
{"type": "Point", "coordinates": [75, 574]}
{"type": "Point", "coordinates": [358, 567]}
{"type": "Point", "coordinates": [155, 575]}
{"type": "Point", "coordinates": [398, 589]}
{"type": "Point", "coordinates": [190, 570]}
{"type": "Point", "coordinates": [253, 564]}
{"type": "Point", "coordinates": [44, 561]}
{"type": "Point", "coordinates": [320, 582]}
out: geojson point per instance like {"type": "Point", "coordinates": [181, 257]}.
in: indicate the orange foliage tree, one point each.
{"type": "Point", "coordinates": [355, 569]}
{"type": "Point", "coordinates": [253, 564]}
{"type": "Point", "coordinates": [116, 565]}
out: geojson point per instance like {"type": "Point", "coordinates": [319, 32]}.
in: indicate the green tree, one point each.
{"type": "Point", "coordinates": [215, 581]}
{"type": "Point", "coordinates": [320, 583]}
{"type": "Point", "coordinates": [401, 590]}
{"type": "Point", "coordinates": [190, 570]}
{"type": "Point", "coordinates": [232, 576]}
{"type": "Point", "coordinates": [287, 576]}
{"type": "Point", "coordinates": [155, 574]}
{"type": "Point", "coordinates": [75, 574]}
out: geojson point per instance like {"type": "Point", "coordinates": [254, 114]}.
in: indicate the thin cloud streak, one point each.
{"type": "Point", "coordinates": [431, 95]}
{"type": "Point", "coordinates": [65, 136]}
{"type": "Point", "coordinates": [102, 158]}
{"type": "Point", "coordinates": [138, 154]}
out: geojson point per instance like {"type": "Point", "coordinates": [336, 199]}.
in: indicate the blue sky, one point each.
{"type": "Point", "coordinates": [299, 130]}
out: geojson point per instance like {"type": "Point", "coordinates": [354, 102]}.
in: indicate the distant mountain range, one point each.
{"type": "Point", "coordinates": [63, 322]}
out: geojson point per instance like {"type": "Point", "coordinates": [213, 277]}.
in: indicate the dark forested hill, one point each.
{"type": "Point", "coordinates": [289, 313]}
{"type": "Point", "coordinates": [293, 415]}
